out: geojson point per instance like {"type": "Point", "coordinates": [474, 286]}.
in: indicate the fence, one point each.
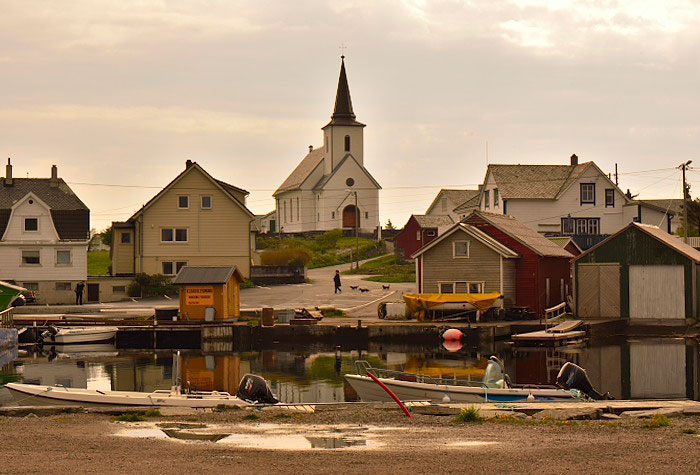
{"type": "Point", "coordinates": [7, 319]}
{"type": "Point", "coordinates": [266, 275]}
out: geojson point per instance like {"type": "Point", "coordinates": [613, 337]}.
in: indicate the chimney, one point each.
{"type": "Point", "coordinates": [311, 148]}
{"type": "Point", "coordinates": [188, 164]}
{"type": "Point", "coordinates": [8, 173]}
{"type": "Point", "coordinates": [54, 176]}
{"type": "Point", "coordinates": [574, 160]}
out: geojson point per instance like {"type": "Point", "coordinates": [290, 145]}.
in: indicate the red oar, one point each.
{"type": "Point", "coordinates": [390, 393]}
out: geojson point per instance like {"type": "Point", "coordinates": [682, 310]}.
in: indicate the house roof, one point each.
{"type": "Point", "coordinates": [470, 204]}
{"type": "Point", "coordinates": [475, 233]}
{"type": "Point", "coordinates": [223, 186]}
{"type": "Point", "coordinates": [326, 178]}
{"type": "Point", "coordinates": [312, 159]}
{"type": "Point", "coordinates": [674, 205]}
{"type": "Point", "coordinates": [457, 197]}
{"type": "Point", "coordinates": [429, 221]}
{"type": "Point", "coordinates": [535, 181]}
{"type": "Point", "coordinates": [196, 275]}
{"type": "Point", "coordinates": [660, 235]}
{"type": "Point", "coordinates": [522, 233]}
{"type": "Point", "coordinates": [563, 241]}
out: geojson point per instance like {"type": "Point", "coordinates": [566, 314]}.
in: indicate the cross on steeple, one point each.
{"type": "Point", "coordinates": [342, 49]}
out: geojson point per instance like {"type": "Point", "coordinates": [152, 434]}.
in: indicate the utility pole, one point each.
{"type": "Point", "coordinates": [357, 234]}
{"type": "Point", "coordinates": [616, 184]}
{"type": "Point", "coordinates": [683, 167]}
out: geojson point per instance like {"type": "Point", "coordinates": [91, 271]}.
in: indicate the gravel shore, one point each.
{"type": "Point", "coordinates": [88, 443]}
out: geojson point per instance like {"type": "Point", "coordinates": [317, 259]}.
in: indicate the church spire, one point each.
{"type": "Point", "coordinates": [342, 112]}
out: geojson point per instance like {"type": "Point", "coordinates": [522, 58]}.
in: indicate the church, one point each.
{"type": "Point", "coordinates": [331, 188]}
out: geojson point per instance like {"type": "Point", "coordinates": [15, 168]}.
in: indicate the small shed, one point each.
{"type": "Point", "coordinates": [208, 287]}
{"type": "Point", "coordinates": [640, 273]}
{"type": "Point", "coordinates": [419, 231]}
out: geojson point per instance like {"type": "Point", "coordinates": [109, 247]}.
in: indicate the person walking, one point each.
{"type": "Point", "coordinates": [79, 288]}
{"type": "Point", "coordinates": [336, 281]}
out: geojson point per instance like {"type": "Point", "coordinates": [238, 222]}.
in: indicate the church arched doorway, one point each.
{"type": "Point", "coordinates": [351, 217]}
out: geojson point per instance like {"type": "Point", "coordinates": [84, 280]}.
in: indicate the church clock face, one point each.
{"type": "Point", "coordinates": [349, 182]}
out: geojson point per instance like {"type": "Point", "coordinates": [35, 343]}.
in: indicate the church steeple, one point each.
{"type": "Point", "coordinates": [342, 112]}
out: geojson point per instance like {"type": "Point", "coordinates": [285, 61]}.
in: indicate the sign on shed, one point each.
{"type": "Point", "coordinates": [199, 295]}
{"type": "Point", "coordinates": [209, 292]}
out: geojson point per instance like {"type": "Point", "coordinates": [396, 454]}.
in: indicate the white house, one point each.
{"type": "Point", "coordinates": [45, 233]}
{"type": "Point", "coordinates": [331, 188]}
{"type": "Point", "coordinates": [575, 199]}
{"type": "Point", "coordinates": [454, 203]}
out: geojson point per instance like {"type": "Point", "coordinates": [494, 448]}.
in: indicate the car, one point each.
{"type": "Point", "coordinates": [26, 297]}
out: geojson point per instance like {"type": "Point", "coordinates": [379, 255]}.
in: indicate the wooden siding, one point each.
{"type": "Point", "coordinates": [406, 242]}
{"type": "Point", "coordinates": [483, 265]}
{"type": "Point", "coordinates": [635, 247]}
{"type": "Point", "coordinates": [122, 254]}
{"type": "Point", "coordinates": [656, 292]}
{"type": "Point", "coordinates": [598, 295]}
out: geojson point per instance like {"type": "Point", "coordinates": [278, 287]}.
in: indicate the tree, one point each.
{"type": "Point", "coordinates": [106, 236]}
{"type": "Point", "coordinates": [389, 225]}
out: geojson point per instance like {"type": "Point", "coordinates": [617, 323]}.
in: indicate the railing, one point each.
{"type": "Point", "coordinates": [7, 318]}
{"type": "Point", "coordinates": [553, 312]}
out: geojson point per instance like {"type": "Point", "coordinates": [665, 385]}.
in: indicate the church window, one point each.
{"type": "Point", "coordinates": [318, 216]}
{"type": "Point", "coordinates": [297, 208]}
{"type": "Point", "coordinates": [332, 214]}
{"type": "Point", "coordinates": [349, 182]}
{"type": "Point", "coordinates": [284, 205]}
{"type": "Point", "coordinates": [366, 214]}
{"type": "Point", "coordinates": [291, 210]}
{"type": "Point", "coordinates": [326, 141]}
{"type": "Point", "coordinates": [347, 143]}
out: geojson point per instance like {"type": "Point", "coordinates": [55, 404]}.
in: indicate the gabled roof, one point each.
{"type": "Point", "coordinates": [535, 181]}
{"type": "Point", "coordinates": [470, 204]}
{"type": "Point", "coordinates": [431, 221]}
{"type": "Point", "coordinates": [654, 206]}
{"type": "Point", "coordinates": [477, 234]}
{"type": "Point", "coordinates": [457, 197]}
{"type": "Point", "coordinates": [660, 235]}
{"type": "Point", "coordinates": [223, 186]}
{"type": "Point", "coordinates": [312, 159]}
{"type": "Point", "coordinates": [674, 205]}
{"type": "Point", "coordinates": [525, 235]}
{"type": "Point", "coordinates": [326, 178]}
{"type": "Point", "coordinates": [196, 275]}
{"type": "Point", "coordinates": [563, 241]}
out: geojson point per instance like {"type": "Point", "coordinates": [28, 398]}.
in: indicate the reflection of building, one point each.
{"type": "Point", "coordinates": [213, 373]}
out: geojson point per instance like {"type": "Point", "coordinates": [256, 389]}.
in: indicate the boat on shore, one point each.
{"type": "Point", "coordinates": [495, 386]}
{"type": "Point", "coordinates": [69, 335]}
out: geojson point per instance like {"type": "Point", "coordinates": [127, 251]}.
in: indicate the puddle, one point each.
{"type": "Point", "coordinates": [260, 436]}
{"type": "Point", "coordinates": [472, 443]}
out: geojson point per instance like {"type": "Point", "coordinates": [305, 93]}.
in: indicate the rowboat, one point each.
{"type": "Point", "coordinates": [63, 335]}
{"type": "Point", "coordinates": [495, 386]}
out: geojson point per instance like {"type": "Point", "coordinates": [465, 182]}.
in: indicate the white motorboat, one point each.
{"type": "Point", "coordinates": [495, 387]}
{"type": "Point", "coordinates": [63, 335]}
{"type": "Point", "coordinates": [35, 394]}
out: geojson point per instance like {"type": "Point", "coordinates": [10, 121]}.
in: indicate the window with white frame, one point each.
{"type": "Point", "coordinates": [460, 249]}
{"type": "Point", "coordinates": [487, 199]}
{"type": "Point", "coordinates": [167, 268]}
{"type": "Point", "coordinates": [609, 198]}
{"type": "Point", "coordinates": [417, 235]}
{"type": "Point", "coordinates": [63, 257]}
{"type": "Point", "coordinates": [173, 235]}
{"type": "Point", "coordinates": [446, 287]}
{"type": "Point", "coordinates": [588, 193]}
{"type": "Point", "coordinates": [183, 202]}
{"type": "Point", "coordinates": [495, 198]}
{"type": "Point", "coordinates": [31, 224]}
{"type": "Point", "coordinates": [475, 287]}
{"type": "Point", "coordinates": [63, 286]}
{"type": "Point", "coordinates": [430, 233]}
{"type": "Point", "coordinates": [206, 202]}
{"type": "Point", "coordinates": [179, 265]}
{"type": "Point", "coordinates": [298, 209]}
{"type": "Point", "coordinates": [31, 257]}
{"type": "Point", "coordinates": [589, 226]}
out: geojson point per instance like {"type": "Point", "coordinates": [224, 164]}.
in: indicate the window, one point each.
{"type": "Point", "coordinates": [610, 198]}
{"type": "Point", "coordinates": [587, 193]}
{"type": "Point", "coordinates": [430, 233]}
{"type": "Point", "coordinates": [119, 289]}
{"type": "Point", "coordinates": [495, 197]}
{"type": "Point", "coordinates": [476, 287]}
{"type": "Point", "coordinates": [170, 235]}
{"type": "Point", "coordinates": [291, 210]}
{"type": "Point", "coordinates": [125, 238]}
{"type": "Point", "coordinates": [33, 286]}
{"type": "Point", "coordinates": [166, 235]}
{"type": "Point", "coordinates": [31, 258]}
{"type": "Point", "coordinates": [350, 181]}
{"type": "Point", "coordinates": [417, 235]}
{"type": "Point", "coordinates": [366, 214]}
{"type": "Point", "coordinates": [347, 143]}
{"type": "Point", "coordinates": [297, 208]}
{"type": "Point", "coordinates": [318, 216]}
{"type": "Point", "coordinates": [179, 265]}
{"type": "Point", "coordinates": [284, 204]}
{"type": "Point", "coordinates": [460, 249]}
{"type": "Point", "coordinates": [580, 226]}
{"type": "Point", "coordinates": [31, 224]}
{"type": "Point", "coordinates": [63, 286]}
{"type": "Point", "coordinates": [446, 287]}
{"type": "Point", "coordinates": [63, 258]}
{"type": "Point", "coordinates": [206, 202]}
{"type": "Point", "coordinates": [332, 214]}
{"type": "Point", "coordinates": [183, 202]}
{"type": "Point", "coordinates": [167, 268]}
{"type": "Point", "coordinates": [487, 199]}
{"type": "Point", "coordinates": [181, 235]}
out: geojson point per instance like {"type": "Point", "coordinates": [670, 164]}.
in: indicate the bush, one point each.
{"type": "Point", "coordinates": [469, 414]}
{"type": "Point", "coordinates": [659, 420]}
{"type": "Point", "coordinates": [285, 257]}
{"type": "Point", "coordinates": [155, 285]}
{"type": "Point", "coordinates": [329, 240]}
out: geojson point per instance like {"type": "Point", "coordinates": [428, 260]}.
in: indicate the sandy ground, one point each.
{"type": "Point", "coordinates": [86, 443]}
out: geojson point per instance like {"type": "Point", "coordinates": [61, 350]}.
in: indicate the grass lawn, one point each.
{"type": "Point", "coordinates": [387, 269]}
{"type": "Point", "coordinates": [98, 263]}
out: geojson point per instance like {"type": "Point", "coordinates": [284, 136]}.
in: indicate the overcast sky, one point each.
{"type": "Point", "coordinates": [123, 92]}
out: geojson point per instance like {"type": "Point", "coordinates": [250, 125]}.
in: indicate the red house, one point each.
{"type": "Point", "coordinates": [419, 231]}
{"type": "Point", "coordinates": [542, 273]}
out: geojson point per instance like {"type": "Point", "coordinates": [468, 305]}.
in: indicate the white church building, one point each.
{"type": "Point", "coordinates": [331, 188]}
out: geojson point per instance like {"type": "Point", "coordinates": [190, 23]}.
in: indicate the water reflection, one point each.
{"type": "Point", "coordinates": [649, 368]}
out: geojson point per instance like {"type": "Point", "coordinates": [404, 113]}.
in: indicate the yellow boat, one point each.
{"type": "Point", "coordinates": [418, 304]}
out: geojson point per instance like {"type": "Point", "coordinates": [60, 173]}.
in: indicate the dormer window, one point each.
{"type": "Point", "coordinates": [183, 202]}
{"type": "Point", "coordinates": [487, 199]}
{"type": "Point", "coordinates": [31, 224]}
{"type": "Point", "coordinates": [347, 143]}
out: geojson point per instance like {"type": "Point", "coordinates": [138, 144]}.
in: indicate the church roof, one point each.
{"type": "Point", "coordinates": [342, 112]}
{"type": "Point", "coordinates": [302, 171]}
{"type": "Point", "coordinates": [326, 178]}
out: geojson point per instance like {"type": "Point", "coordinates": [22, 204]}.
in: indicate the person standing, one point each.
{"type": "Point", "coordinates": [79, 288]}
{"type": "Point", "coordinates": [336, 281]}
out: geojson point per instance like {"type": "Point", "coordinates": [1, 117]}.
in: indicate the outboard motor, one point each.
{"type": "Point", "coordinates": [253, 388]}
{"type": "Point", "coordinates": [572, 376]}
{"type": "Point", "coordinates": [50, 333]}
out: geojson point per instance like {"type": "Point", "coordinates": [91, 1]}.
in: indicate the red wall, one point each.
{"type": "Point", "coordinates": [406, 242]}
{"type": "Point", "coordinates": [531, 271]}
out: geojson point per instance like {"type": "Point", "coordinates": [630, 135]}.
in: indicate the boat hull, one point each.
{"type": "Point", "coordinates": [368, 390]}
{"type": "Point", "coordinates": [83, 335]}
{"type": "Point", "coordinates": [38, 395]}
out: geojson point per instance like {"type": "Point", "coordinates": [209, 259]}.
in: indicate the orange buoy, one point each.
{"type": "Point", "coordinates": [453, 334]}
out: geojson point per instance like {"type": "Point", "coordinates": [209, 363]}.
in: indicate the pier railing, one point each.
{"type": "Point", "coordinates": [6, 318]}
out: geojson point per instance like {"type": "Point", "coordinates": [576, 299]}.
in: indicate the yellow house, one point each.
{"type": "Point", "coordinates": [196, 220]}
